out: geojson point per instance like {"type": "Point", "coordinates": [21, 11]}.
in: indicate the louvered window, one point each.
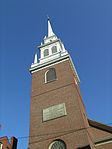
{"type": "Point", "coordinates": [46, 52]}
{"type": "Point", "coordinates": [50, 75]}
{"type": "Point", "coordinates": [54, 49]}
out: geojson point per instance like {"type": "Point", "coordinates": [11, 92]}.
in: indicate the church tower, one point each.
{"type": "Point", "coordinates": [57, 116]}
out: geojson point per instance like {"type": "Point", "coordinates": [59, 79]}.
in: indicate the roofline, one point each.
{"type": "Point", "coordinates": [4, 137]}
{"type": "Point", "coordinates": [100, 126]}
{"type": "Point", "coordinates": [42, 65]}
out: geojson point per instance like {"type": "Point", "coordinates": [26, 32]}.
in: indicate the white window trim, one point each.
{"type": "Point", "coordinates": [1, 145]}
{"type": "Point", "coordinates": [45, 78]}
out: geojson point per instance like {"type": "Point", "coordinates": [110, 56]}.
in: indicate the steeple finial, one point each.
{"type": "Point", "coordinates": [50, 31]}
{"type": "Point", "coordinates": [48, 17]}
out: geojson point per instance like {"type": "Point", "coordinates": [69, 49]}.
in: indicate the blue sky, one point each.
{"type": "Point", "coordinates": [84, 26]}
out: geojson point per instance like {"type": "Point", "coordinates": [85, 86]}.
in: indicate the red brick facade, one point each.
{"type": "Point", "coordinates": [101, 135]}
{"type": "Point", "coordinates": [72, 128]}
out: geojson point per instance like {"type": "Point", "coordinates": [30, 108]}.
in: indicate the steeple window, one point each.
{"type": "Point", "coordinates": [46, 52]}
{"type": "Point", "coordinates": [54, 49]}
{"type": "Point", "coordinates": [50, 75]}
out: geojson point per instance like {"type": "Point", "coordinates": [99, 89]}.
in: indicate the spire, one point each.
{"type": "Point", "coordinates": [50, 31]}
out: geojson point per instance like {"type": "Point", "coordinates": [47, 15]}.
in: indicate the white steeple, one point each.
{"type": "Point", "coordinates": [52, 51]}
{"type": "Point", "coordinates": [50, 30]}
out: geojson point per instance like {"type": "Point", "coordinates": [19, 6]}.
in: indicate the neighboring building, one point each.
{"type": "Point", "coordinates": [58, 118]}
{"type": "Point", "coordinates": [5, 144]}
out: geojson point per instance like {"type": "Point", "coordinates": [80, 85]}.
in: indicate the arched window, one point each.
{"type": "Point", "coordinates": [46, 52]}
{"type": "Point", "coordinates": [58, 144]}
{"type": "Point", "coordinates": [54, 49]}
{"type": "Point", "coordinates": [50, 75]}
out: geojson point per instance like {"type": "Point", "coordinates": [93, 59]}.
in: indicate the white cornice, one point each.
{"type": "Point", "coordinates": [43, 65]}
